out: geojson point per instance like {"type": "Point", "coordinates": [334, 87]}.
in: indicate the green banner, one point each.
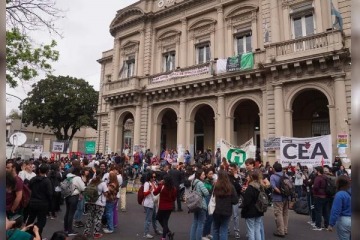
{"type": "Point", "coordinates": [240, 62]}
{"type": "Point", "coordinates": [247, 61]}
{"type": "Point", "coordinates": [90, 147]}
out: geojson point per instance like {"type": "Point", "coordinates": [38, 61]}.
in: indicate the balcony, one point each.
{"type": "Point", "coordinates": [302, 47]}
{"type": "Point", "coordinates": [126, 84]}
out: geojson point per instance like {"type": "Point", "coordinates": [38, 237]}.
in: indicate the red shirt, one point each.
{"type": "Point", "coordinates": [10, 197]}
{"type": "Point", "coordinates": [167, 197]}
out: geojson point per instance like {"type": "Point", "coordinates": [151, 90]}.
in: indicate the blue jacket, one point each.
{"type": "Point", "coordinates": [340, 207]}
{"type": "Point", "coordinates": [275, 182]}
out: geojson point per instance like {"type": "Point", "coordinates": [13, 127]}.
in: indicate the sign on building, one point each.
{"type": "Point", "coordinates": [58, 147]}
{"type": "Point", "coordinates": [342, 140]}
{"type": "Point", "coordinates": [90, 147]}
{"type": "Point", "coordinates": [271, 144]}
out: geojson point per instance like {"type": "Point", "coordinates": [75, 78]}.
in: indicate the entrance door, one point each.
{"type": "Point", "coordinates": [199, 142]}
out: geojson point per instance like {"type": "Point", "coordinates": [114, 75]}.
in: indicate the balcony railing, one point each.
{"type": "Point", "coordinates": [314, 44]}
{"type": "Point", "coordinates": [124, 84]}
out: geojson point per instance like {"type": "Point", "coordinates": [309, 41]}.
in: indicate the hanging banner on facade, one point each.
{"type": "Point", "coordinates": [271, 144]}
{"type": "Point", "coordinates": [240, 62]}
{"type": "Point", "coordinates": [90, 147]}
{"type": "Point", "coordinates": [342, 140]}
{"type": "Point", "coordinates": [58, 147]}
{"type": "Point", "coordinates": [178, 74]}
{"type": "Point", "coordinates": [138, 148]}
{"type": "Point", "coordinates": [237, 154]}
{"type": "Point", "coordinates": [314, 151]}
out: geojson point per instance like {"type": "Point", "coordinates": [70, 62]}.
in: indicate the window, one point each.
{"type": "Point", "coordinates": [128, 67]}
{"type": "Point", "coordinates": [303, 25]}
{"type": "Point", "coordinates": [202, 53]}
{"type": "Point", "coordinates": [169, 61]}
{"type": "Point", "coordinates": [243, 43]}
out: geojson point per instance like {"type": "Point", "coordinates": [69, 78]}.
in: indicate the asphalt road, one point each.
{"type": "Point", "coordinates": [131, 225]}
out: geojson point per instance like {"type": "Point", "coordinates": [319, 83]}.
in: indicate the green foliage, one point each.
{"type": "Point", "coordinates": [23, 60]}
{"type": "Point", "coordinates": [14, 114]}
{"type": "Point", "coordinates": [63, 103]}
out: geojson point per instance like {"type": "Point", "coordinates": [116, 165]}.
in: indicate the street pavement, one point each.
{"type": "Point", "coordinates": [131, 225]}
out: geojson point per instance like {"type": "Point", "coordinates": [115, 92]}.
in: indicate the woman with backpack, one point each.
{"type": "Point", "coordinates": [225, 197]}
{"type": "Point", "coordinates": [55, 178]}
{"type": "Point", "coordinates": [197, 226]}
{"type": "Point", "coordinates": [113, 189]}
{"type": "Point", "coordinates": [167, 192]}
{"type": "Point", "coordinates": [95, 195]}
{"type": "Point", "coordinates": [250, 211]}
{"type": "Point", "coordinates": [85, 177]}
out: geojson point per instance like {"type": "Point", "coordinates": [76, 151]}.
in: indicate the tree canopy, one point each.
{"type": "Point", "coordinates": [62, 103]}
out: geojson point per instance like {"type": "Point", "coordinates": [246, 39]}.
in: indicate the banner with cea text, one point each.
{"type": "Point", "coordinates": [237, 154]}
{"type": "Point", "coordinates": [315, 151]}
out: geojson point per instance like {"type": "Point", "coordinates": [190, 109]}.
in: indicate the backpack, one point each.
{"type": "Point", "coordinates": [26, 194]}
{"type": "Point", "coordinates": [140, 195]}
{"type": "Point", "coordinates": [67, 187]}
{"type": "Point", "coordinates": [262, 201]}
{"type": "Point", "coordinates": [287, 187]}
{"type": "Point", "coordinates": [193, 200]}
{"type": "Point", "coordinates": [112, 193]}
{"type": "Point", "coordinates": [91, 194]}
{"type": "Point", "coordinates": [330, 188]}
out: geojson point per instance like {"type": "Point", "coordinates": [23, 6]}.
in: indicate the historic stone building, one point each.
{"type": "Point", "coordinates": [163, 73]}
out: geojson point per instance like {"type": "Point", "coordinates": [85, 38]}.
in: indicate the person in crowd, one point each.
{"type": "Point", "coordinates": [280, 203]}
{"type": "Point", "coordinates": [218, 157]}
{"type": "Point", "coordinates": [14, 195]}
{"type": "Point", "coordinates": [235, 179]}
{"type": "Point", "coordinates": [209, 184]}
{"type": "Point", "coordinates": [41, 197]}
{"type": "Point", "coordinates": [225, 198]}
{"type": "Point", "coordinates": [168, 194]}
{"type": "Point", "coordinates": [113, 189]}
{"type": "Point", "coordinates": [308, 183]}
{"type": "Point", "coordinates": [177, 179]}
{"type": "Point", "coordinates": [336, 164]}
{"type": "Point", "coordinates": [123, 187]}
{"type": "Point", "coordinates": [72, 200]}
{"type": "Point", "coordinates": [85, 177]}
{"type": "Point", "coordinates": [290, 170]}
{"type": "Point", "coordinates": [320, 199]}
{"type": "Point", "coordinates": [253, 217]}
{"type": "Point", "coordinates": [149, 205]}
{"type": "Point", "coordinates": [299, 181]}
{"type": "Point", "coordinates": [187, 157]}
{"type": "Point", "coordinates": [341, 171]}
{"type": "Point", "coordinates": [224, 164]}
{"type": "Point", "coordinates": [341, 209]}
{"type": "Point", "coordinates": [15, 233]}
{"type": "Point", "coordinates": [249, 164]}
{"type": "Point", "coordinates": [119, 178]}
{"type": "Point", "coordinates": [27, 173]}
{"type": "Point", "coordinates": [55, 178]}
{"type": "Point", "coordinates": [96, 210]}
{"type": "Point", "coordinates": [59, 235]}
{"type": "Point", "coordinates": [200, 215]}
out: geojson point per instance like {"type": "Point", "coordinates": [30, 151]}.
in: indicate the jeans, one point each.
{"type": "Point", "coordinates": [310, 202]}
{"type": "Point", "coordinates": [71, 205]}
{"type": "Point", "coordinates": [321, 210]}
{"type": "Point", "coordinates": [79, 209]}
{"type": "Point", "coordinates": [149, 212]}
{"type": "Point", "coordinates": [262, 231]}
{"type": "Point", "coordinates": [209, 219]}
{"type": "Point", "coordinates": [220, 227]}
{"type": "Point", "coordinates": [253, 228]}
{"type": "Point", "coordinates": [198, 225]}
{"type": "Point", "coordinates": [115, 213]}
{"type": "Point", "coordinates": [343, 228]}
{"type": "Point", "coordinates": [281, 212]}
{"type": "Point", "coordinates": [298, 190]}
{"type": "Point", "coordinates": [178, 198]}
{"type": "Point", "coordinates": [235, 219]}
{"type": "Point", "coordinates": [109, 214]}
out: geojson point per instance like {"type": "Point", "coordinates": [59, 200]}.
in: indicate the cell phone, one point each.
{"type": "Point", "coordinates": [18, 220]}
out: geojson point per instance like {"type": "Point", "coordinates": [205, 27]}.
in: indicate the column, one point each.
{"type": "Point", "coordinates": [340, 105]}
{"type": "Point", "coordinates": [116, 60]}
{"type": "Point", "coordinates": [140, 56]}
{"type": "Point", "coordinates": [221, 118]}
{"type": "Point", "coordinates": [229, 129]}
{"type": "Point", "coordinates": [111, 130]}
{"type": "Point", "coordinates": [156, 136]}
{"type": "Point", "coordinates": [319, 18]}
{"type": "Point", "coordinates": [288, 123]}
{"type": "Point", "coordinates": [220, 31]}
{"type": "Point", "coordinates": [230, 41]}
{"type": "Point", "coordinates": [181, 127]}
{"type": "Point", "coordinates": [275, 29]}
{"type": "Point", "coordinates": [119, 132]}
{"type": "Point", "coordinates": [137, 125]}
{"type": "Point", "coordinates": [153, 59]}
{"type": "Point", "coordinates": [149, 130]}
{"type": "Point", "coordinates": [183, 43]}
{"type": "Point", "coordinates": [190, 52]}
{"type": "Point", "coordinates": [332, 116]}
{"type": "Point", "coordinates": [177, 54]}
{"type": "Point", "coordinates": [190, 137]}
{"type": "Point", "coordinates": [286, 20]}
{"type": "Point", "coordinates": [264, 128]}
{"type": "Point", "coordinates": [279, 110]}
{"type": "Point", "coordinates": [254, 32]}
{"type": "Point", "coordinates": [212, 45]}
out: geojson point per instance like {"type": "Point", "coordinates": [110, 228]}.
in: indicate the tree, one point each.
{"type": "Point", "coordinates": [62, 103]}
{"type": "Point", "coordinates": [24, 58]}
{"type": "Point", "coordinates": [14, 114]}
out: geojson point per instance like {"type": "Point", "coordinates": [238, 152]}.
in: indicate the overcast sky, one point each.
{"type": "Point", "coordinates": [86, 35]}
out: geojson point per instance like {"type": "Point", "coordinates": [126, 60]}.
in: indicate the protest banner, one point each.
{"type": "Point", "coordinates": [271, 144]}
{"type": "Point", "coordinates": [237, 154]}
{"type": "Point", "coordinates": [306, 151]}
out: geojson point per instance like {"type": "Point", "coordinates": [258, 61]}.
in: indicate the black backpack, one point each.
{"type": "Point", "coordinates": [287, 187]}
{"type": "Point", "coordinates": [262, 201]}
{"type": "Point", "coordinates": [330, 188]}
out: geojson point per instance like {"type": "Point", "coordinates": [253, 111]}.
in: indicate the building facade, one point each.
{"type": "Point", "coordinates": [163, 73]}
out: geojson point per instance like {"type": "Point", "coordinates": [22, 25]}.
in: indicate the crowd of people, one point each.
{"type": "Point", "coordinates": [36, 189]}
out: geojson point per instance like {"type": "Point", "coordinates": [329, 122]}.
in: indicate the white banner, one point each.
{"type": "Point", "coordinates": [237, 154]}
{"type": "Point", "coordinates": [177, 74]}
{"type": "Point", "coordinates": [58, 147]}
{"type": "Point", "coordinates": [314, 151]}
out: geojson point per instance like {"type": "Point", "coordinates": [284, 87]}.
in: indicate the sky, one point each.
{"type": "Point", "coordinates": [85, 31]}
